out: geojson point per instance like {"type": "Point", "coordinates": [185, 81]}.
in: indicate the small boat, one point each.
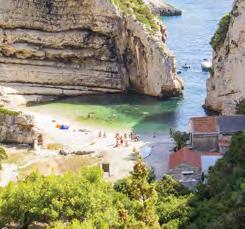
{"type": "Point", "coordinates": [206, 65]}
{"type": "Point", "coordinates": [186, 66]}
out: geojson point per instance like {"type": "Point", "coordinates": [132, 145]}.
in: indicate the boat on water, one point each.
{"type": "Point", "coordinates": [186, 66]}
{"type": "Point", "coordinates": [206, 65]}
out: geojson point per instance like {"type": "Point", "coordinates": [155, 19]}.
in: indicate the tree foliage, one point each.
{"type": "Point", "coordinates": [86, 201]}
{"type": "Point", "coordinates": [240, 107]}
{"type": "Point", "coordinates": [3, 155]}
{"type": "Point", "coordinates": [220, 203]}
{"type": "Point", "coordinates": [179, 137]}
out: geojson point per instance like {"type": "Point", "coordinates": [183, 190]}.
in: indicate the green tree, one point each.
{"type": "Point", "coordinates": [240, 107]}
{"type": "Point", "coordinates": [3, 155]}
{"type": "Point", "coordinates": [220, 203]}
{"type": "Point", "coordinates": [179, 137]}
{"type": "Point", "coordinates": [84, 196]}
{"type": "Point", "coordinates": [145, 194]}
{"type": "Point", "coordinates": [173, 206]}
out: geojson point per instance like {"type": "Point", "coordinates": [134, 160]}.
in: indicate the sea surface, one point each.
{"type": "Point", "coordinates": [188, 36]}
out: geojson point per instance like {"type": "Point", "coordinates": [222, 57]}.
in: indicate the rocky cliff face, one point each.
{"type": "Point", "coordinates": [162, 8]}
{"type": "Point", "coordinates": [17, 128]}
{"type": "Point", "coordinates": [226, 86]}
{"type": "Point", "coordinates": [52, 48]}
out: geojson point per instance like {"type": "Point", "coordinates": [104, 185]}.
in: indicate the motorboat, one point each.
{"type": "Point", "coordinates": [206, 65]}
{"type": "Point", "coordinates": [186, 66]}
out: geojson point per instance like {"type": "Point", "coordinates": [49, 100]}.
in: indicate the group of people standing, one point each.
{"type": "Point", "coordinates": [122, 140]}
{"type": "Point", "coordinates": [125, 140]}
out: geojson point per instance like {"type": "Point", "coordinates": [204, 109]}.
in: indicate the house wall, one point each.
{"type": "Point", "coordinates": [189, 181]}
{"type": "Point", "coordinates": [205, 142]}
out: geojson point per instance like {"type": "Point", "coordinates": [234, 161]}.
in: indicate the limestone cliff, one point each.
{"type": "Point", "coordinates": [17, 128]}
{"type": "Point", "coordinates": [226, 85]}
{"type": "Point", "coordinates": [52, 48]}
{"type": "Point", "coordinates": [162, 8]}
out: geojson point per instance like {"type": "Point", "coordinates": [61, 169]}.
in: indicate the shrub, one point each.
{"type": "Point", "coordinates": [180, 138]}
{"type": "Point", "coordinates": [3, 155]}
{"type": "Point", "coordinates": [140, 10]}
{"type": "Point", "coordinates": [8, 112]}
{"type": "Point", "coordinates": [220, 35]}
{"type": "Point", "coordinates": [240, 107]}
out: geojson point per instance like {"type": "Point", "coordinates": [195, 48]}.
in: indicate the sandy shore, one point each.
{"type": "Point", "coordinates": [155, 149]}
{"type": "Point", "coordinates": [86, 138]}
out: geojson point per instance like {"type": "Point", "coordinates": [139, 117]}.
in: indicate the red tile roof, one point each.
{"type": "Point", "coordinates": [185, 155]}
{"type": "Point", "coordinates": [204, 124]}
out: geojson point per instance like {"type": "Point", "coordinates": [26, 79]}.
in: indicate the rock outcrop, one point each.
{"type": "Point", "coordinates": [226, 85]}
{"type": "Point", "coordinates": [163, 9]}
{"type": "Point", "coordinates": [53, 48]}
{"type": "Point", "coordinates": [17, 128]}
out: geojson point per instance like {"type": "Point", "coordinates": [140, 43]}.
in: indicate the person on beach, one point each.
{"type": "Point", "coordinates": [104, 135]}
{"type": "Point", "coordinates": [125, 136]}
{"type": "Point", "coordinates": [131, 135]}
{"type": "Point", "coordinates": [100, 134]}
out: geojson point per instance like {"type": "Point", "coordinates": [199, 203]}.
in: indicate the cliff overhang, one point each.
{"type": "Point", "coordinates": [54, 48]}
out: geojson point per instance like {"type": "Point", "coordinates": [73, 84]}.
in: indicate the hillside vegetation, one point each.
{"type": "Point", "coordinates": [220, 34]}
{"type": "Point", "coordinates": [220, 203]}
{"type": "Point", "coordinates": [85, 200]}
{"type": "Point", "coordinates": [140, 10]}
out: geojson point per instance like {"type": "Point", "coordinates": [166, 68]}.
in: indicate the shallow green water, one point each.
{"type": "Point", "coordinates": [141, 113]}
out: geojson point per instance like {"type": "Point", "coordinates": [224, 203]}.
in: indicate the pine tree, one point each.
{"type": "Point", "coordinates": [145, 194]}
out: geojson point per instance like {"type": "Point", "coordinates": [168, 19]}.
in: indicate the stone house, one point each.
{"type": "Point", "coordinates": [213, 134]}
{"type": "Point", "coordinates": [185, 166]}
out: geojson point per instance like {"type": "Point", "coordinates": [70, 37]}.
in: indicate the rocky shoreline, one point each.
{"type": "Point", "coordinates": [163, 9]}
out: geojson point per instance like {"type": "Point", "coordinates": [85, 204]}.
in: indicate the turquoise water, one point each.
{"type": "Point", "coordinates": [189, 37]}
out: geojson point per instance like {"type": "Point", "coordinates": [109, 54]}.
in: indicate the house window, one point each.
{"type": "Point", "coordinates": [187, 173]}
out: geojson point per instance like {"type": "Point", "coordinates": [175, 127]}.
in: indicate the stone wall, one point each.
{"type": "Point", "coordinates": [189, 181]}
{"type": "Point", "coordinates": [204, 142]}
{"type": "Point", "coordinates": [52, 48]}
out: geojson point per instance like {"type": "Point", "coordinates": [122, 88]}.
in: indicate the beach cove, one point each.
{"type": "Point", "coordinates": [149, 117]}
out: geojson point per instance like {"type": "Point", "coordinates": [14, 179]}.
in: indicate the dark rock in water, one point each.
{"type": "Point", "coordinates": [170, 11]}
{"type": "Point", "coordinates": [179, 72]}
{"type": "Point", "coordinates": [163, 9]}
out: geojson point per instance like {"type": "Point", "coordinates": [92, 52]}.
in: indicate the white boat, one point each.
{"type": "Point", "coordinates": [206, 65]}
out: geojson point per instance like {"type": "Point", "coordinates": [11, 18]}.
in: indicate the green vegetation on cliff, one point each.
{"type": "Point", "coordinates": [140, 10]}
{"type": "Point", "coordinates": [220, 34]}
{"type": "Point", "coordinates": [8, 112]}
